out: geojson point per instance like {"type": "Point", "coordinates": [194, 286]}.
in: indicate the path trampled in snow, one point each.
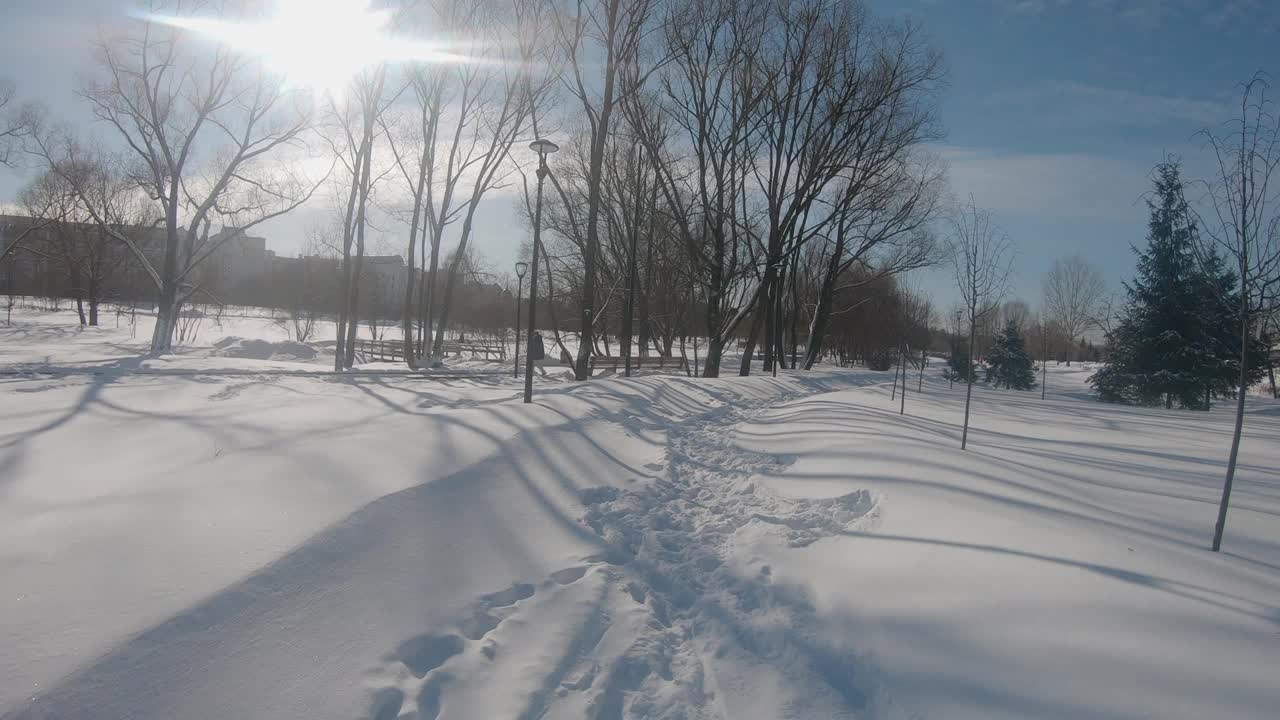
{"type": "Point", "coordinates": [676, 619]}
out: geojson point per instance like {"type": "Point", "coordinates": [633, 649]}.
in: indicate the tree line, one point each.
{"type": "Point", "coordinates": [730, 168]}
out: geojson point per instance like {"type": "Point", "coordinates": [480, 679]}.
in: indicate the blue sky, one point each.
{"type": "Point", "coordinates": [1055, 110]}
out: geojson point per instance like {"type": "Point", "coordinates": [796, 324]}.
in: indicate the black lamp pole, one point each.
{"type": "Point", "coordinates": [520, 270]}
{"type": "Point", "coordinates": [543, 148]}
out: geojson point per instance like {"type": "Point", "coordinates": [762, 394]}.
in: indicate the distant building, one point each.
{"type": "Point", "coordinates": [238, 270]}
{"type": "Point", "coordinates": [236, 264]}
{"type": "Point", "coordinates": [382, 282]}
{"type": "Point", "coordinates": [107, 267]}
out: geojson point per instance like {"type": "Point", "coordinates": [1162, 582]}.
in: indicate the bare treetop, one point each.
{"type": "Point", "coordinates": [1244, 203]}
{"type": "Point", "coordinates": [1073, 292]}
{"type": "Point", "coordinates": [14, 122]}
{"type": "Point", "coordinates": [981, 256]}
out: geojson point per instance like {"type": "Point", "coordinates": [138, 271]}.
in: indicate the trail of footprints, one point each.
{"type": "Point", "coordinates": [665, 545]}
{"type": "Point", "coordinates": [415, 670]}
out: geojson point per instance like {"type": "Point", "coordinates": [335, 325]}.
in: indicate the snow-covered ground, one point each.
{"type": "Point", "coordinates": [257, 544]}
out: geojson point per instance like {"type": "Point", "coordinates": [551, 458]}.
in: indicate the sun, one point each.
{"type": "Point", "coordinates": [318, 44]}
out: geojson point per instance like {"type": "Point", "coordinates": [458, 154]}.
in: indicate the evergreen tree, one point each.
{"type": "Point", "coordinates": [960, 365]}
{"type": "Point", "coordinates": [1220, 320]}
{"type": "Point", "coordinates": [1173, 343]}
{"type": "Point", "coordinates": [1009, 364]}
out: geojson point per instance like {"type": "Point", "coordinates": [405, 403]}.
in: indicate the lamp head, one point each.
{"type": "Point", "coordinates": [543, 147]}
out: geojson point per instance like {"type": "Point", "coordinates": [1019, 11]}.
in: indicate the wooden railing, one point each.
{"type": "Point", "coordinates": [649, 362]}
{"type": "Point", "coordinates": [393, 350]}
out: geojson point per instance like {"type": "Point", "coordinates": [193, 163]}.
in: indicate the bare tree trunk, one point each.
{"type": "Point", "coordinates": [769, 305]}
{"type": "Point", "coordinates": [167, 307]}
{"type": "Point", "coordinates": [95, 292]}
{"type": "Point", "coordinates": [629, 309]}
{"type": "Point", "coordinates": [715, 345]}
{"type": "Point", "coordinates": [344, 313]}
{"type": "Point", "coordinates": [779, 324]}
{"type": "Point", "coordinates": [969, 372]}
{"type": "Point", "coordinates": [451, 283]}
{"type": "Point", "coordinates": [904, 353]}
{"type": "Point", "coordinates": [357, 264]}
{"type": "Point", "coordinates": [715, 320]}
{"type": "Point", "coordinates": [348, 238]}
{"type": "Point", "coordinates": [757, 321]}
{"type": "Point", "coordinates": [1044, 361]}
{"type": "Point", "coordinates": [897, 370]}
{"type": "Point", "coordinates": [826, 297]}
{"type": "Point", "coordinates": [795, 310]}
{"type": "Point", "coordinates": [1221, 525]}
{"type": "Point", "coordinates": [410, 283]}
{"type": "Point", "coordinates": [645, 332]}
{"type": "Point", "coordinates": [429, 297]}
{"type": "Point", "coordinates": [79, 297]}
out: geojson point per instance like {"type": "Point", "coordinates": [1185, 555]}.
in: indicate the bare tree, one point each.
{"type": "Point", "coordinates": [1016, 313]}
{"type": "Point", "coordinates": [1244, 204]}
{"type": "Point", "coordinates": [49, 199]}
{"type": "Point", "coordinates": [607, 34]}
{"type": "Point", "coordinates": [88, 255]}
{"type": "Point", "coordinates": [210, 134]}
{"type": "Point", "coordinates": [697, 128]}
{"type": "Point", "coordinates": [1073, 294]}
{"type": "Point", "coordinates": [880, 225]}
{"type": "Point", "coordinates": [14, 123]}
{"type": "Point", "coordinates": [981, 257]}
{"type": "Point", "coordinates": [12, 236]}
{"type": "Point", "coordinates": [842, 90]}
{"type": "Point", "coordinates": [505, 88]}
{"type": "Point", "coordinates": [413, 159]}
{"type": "Point", "coordinates": [358, 125]}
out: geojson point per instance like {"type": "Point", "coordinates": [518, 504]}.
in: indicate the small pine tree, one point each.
{"type": "Point", "coordinates": [1009, 364]}
{"type": "Point", "coordinates": [1175, 338]}
{"type": "Point", "coordinates": [960, 365]}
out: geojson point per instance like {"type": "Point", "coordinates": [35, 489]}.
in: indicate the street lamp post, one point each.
{"type": "Point", "coordinates": [543, 148]}
{"type": "Point", "coordinates": [520, 270]}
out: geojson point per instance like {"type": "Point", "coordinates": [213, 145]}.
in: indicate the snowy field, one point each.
{"type": "Point", "coordinates": [249, 538]}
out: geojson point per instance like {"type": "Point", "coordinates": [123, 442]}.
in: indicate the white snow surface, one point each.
{"type": "Point", "coordinates": [238, 541]}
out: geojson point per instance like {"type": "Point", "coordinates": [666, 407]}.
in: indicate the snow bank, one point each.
{"type": "Point", "coordinates": [196, 546]}
{"type": "Point", "coordinates": [282, 519]}
{"type": "Point", "coordinates": [254, 349]}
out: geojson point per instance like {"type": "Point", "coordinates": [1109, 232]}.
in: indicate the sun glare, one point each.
{"type": "Point", "coordinates": [319, 44]}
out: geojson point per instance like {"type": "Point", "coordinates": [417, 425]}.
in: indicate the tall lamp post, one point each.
{"type": "Point", "coordinates": [543, 148]}
{"type": "Point", "coordinates": [520, 270]}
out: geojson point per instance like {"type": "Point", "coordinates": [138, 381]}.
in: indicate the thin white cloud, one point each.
{"type": "Point", "coordinates": [1152, 14]}
{"type": "Point", "coordinates": [1049, 185]}
{"type": "Point", "coordinates": [1080, 105]}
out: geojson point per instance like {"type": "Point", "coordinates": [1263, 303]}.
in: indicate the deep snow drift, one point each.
{"type": "Point", "coordinates": [281, 546]}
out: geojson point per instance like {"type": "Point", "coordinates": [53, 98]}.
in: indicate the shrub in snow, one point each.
{"type": "Point", "coordinates": [881, 360]}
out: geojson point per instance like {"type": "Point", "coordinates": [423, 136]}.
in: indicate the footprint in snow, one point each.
{"type": "Point", "coordinates": [424, 656]}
